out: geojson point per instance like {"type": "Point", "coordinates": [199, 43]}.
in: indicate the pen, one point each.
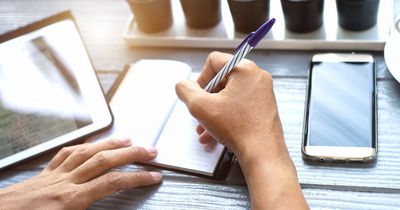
{"type": "Point", "coordinates": [241, 51]}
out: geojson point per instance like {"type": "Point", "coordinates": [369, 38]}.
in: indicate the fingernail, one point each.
{"type": "Point", "coordinates": [126, 141]}
{"type": "Point", "coordinates": [152, 150]}
{"type": "Point", "coordinates": [156, 175]}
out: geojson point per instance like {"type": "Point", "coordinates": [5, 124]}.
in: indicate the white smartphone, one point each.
{"type": "Point", "coordinates": [340, 111]}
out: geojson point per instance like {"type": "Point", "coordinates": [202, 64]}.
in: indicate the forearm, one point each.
{"type": "Point", "coordinates": [272, 181]}
{"type": "Point", "coordinates": [274, 187]}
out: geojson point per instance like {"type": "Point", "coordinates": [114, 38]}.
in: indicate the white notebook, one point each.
{"type": "Point", "coordinates": [146, 109]}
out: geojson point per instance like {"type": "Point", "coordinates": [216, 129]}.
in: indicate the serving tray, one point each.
{"type": "Point", "coordinates": [329, 37]}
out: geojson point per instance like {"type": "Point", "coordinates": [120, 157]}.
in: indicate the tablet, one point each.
{"type": "Point", "coordinates": [49, 91]}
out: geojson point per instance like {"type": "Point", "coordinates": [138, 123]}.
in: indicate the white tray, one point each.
{"type": "Point", "coordinates": [329, 37]}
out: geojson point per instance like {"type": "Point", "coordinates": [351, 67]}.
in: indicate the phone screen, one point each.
{"type": "Point", "coordinates": [341, 104]}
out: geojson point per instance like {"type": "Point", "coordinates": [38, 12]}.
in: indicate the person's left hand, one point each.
{"type": "Point", "coordinates": [79, 175]}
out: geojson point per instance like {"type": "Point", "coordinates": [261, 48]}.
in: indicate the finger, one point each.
{"type": "Point", "coordinates": [82, 154]}
{"type": "Point", "coordinates": [105, 160]}
{"type": "Point", "coordinates": [199, 129]}
{"type": "Point", "coordinates": [187, 90]}
{"type": "Point", "coordinates": [198, 101]}
{"type": "Point", "coordinates": [206, 138]}
{"type": "Point", "coordinates": [214, 63]}
{"type": "Point", "coordinates": [114, 181]}
{"type": "Point", "coordinates": [61, 155]}
{"type": "Point", "coordinates": [242, 75]}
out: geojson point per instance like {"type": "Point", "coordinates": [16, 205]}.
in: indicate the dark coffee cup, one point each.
{"type": "Point", "coordinates": [357, 15]}
{"type": "Point", "coordinates": [152, 15]}
{"type": "Point", "coordinates": [303, 16]}
{"type": "Point", "coordinates": [201, 13]}
{"type": "Point", "coordinates": [248, 15]}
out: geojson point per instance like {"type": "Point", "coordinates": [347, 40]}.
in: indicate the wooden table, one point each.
{"type": "Point", "coordinates": [325, 187]}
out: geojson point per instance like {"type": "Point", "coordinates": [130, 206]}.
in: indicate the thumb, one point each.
{"type": "Point", "coordinates": [193, 96]}
{"type": "Point", "coordinates": [187, 90]}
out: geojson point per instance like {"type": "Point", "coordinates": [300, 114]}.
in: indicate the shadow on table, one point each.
{"type": "Point", "coordinates": [127, 199]}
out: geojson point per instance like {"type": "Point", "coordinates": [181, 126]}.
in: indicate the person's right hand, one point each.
{"type": "Point", "coordinates": [243, 116]}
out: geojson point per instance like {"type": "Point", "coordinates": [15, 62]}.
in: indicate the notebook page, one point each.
{"type": "Point", "coordinates": [144, 99]}
{"type": "Point", "coordinates": [178, 145]}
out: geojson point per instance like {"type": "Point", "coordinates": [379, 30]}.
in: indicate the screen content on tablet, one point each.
{"type": "Point", "coordinates": [48, 91]}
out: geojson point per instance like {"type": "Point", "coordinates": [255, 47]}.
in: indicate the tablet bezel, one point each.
{"type": "Point", "coordinates": [101, 114]}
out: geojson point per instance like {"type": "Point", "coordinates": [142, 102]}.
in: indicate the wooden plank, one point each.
{"type": "Point", "coordinates": [190, 192]}
{"type": "Point", "coordinates": [178, 195]}
{"type": "Point", "coordinates": [332, 199]}
{"type": "Point", "coordinates": [174, 195]}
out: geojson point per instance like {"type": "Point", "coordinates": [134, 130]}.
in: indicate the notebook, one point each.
{"type": "Point", "coordinates": [147, 109]}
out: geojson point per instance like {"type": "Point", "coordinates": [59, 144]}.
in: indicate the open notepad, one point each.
{"type": "Point", "coordinates": [146, 109]}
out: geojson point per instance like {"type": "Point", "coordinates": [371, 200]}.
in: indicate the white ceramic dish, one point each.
{"type": "Point", "coordinates": [329, 37]}
{"type": "Point", "coordinates": [392, 51]}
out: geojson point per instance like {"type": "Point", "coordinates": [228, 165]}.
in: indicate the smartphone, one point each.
{"type": "Point", "coordinates": [340, 111]}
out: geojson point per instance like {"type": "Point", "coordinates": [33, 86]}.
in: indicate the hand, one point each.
{"type": "Point", "coordinates": [79, 175]}
{"type": "Point", "coordinates": [243, 116]}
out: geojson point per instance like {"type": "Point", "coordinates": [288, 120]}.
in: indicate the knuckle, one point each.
{"type": "Point", "coordinates": [180, 85]}
{"type": "Point", "coordinates": [215, 58]}
{"type": "Point", "coordinates": [114, 178]}
{"type": "Point", "coordinates": [267, 76]}
{"type": "Point", "coordinates": [249, 64]}
{"type": "Point", "coordinates": [114, 142]}
{"type": "Point", "coordinates": [65, 151]}
{"type": "Point", "coordinates": [64, 197]}
{"type": "Point", "coordinates": [214, 54]}
{"type": "Point", "coordinates": [140, 177]}
{"type": "Point", "coordinates": [101, 158]}
{"type": "Point", "coordinates": [80, 151]}
{"type": "Point", "coordinates": [138, 151]}
{"type": "Point", "coordinates": [134, 150]}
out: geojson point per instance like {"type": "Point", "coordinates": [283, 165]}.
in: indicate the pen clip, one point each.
{"type": "Point", "coordinates": [244, 41]}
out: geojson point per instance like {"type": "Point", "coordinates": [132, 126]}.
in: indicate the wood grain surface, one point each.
{"type": "Point", "coordinates": [333, 186]}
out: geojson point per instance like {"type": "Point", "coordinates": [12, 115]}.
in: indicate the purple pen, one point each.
{"type": "Point", "coordinates": [241, 51]}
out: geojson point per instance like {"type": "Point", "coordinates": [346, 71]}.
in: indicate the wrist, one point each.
{"type": "Point", "coordinates": [272, 181]}
{"type": "Point", "coordinates": [265, 143]}
{"type": "Point", "coordinates": [263, 150]}
{"type": "Point", "coordinates": [268, 158]}
{"type": "Point", "coordinates": [271, 164]}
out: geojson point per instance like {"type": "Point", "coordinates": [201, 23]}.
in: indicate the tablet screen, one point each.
{"type": "Point", "coordinates": [46, 90]}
